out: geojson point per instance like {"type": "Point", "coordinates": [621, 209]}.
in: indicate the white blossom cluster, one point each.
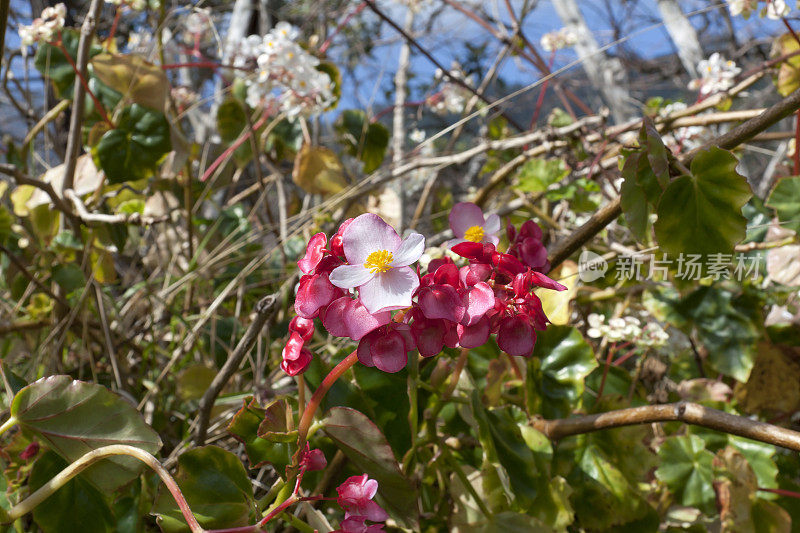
{"type": "Point", "coordinates": [183, 96]}
{"type": "Point", "coordinates": [44, 28]}
{"type": "Point", "coordinates": [286, 75]}
{"type": "Point", "coordinates": [773, 9]}
{"type": "Point", "coordinates": [626, 329]}
{"type": "Point", "coordinates": [453, 97]}
{"type": "Point", "coordinates": [716, 75]}
{"type": "Point", "coordinates": [556, 40]}
{"type": "Point", "coordinates": [685, 138]}
{"type": "Point", "coordinates": [136, 5]}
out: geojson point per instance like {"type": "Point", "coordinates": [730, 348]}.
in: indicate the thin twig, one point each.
{"type": "Point", "coordinates": [74, 140]}
{"type": "Point", "coordinates": [263, 312]}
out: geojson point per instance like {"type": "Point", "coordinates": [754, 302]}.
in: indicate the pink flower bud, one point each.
{"type": "Point", "coordinates": [314, 253]}
{"type": "Point", "coordinates": [299, 365]}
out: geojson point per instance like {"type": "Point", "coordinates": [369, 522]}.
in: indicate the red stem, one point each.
{"type": "Point", "coordinates": [237, 143]}
{"type": "Point", "coordinates": [100, 109]}
{"type": "Point", "coordinates": [114, 25]}
{"type": "Point", "coordinates": [342, 24]}
{"type": "Point", "coordinates": [782, 492]}
{"type": "Point", "coordinates": [624, 357]}
{"type": "Point", "coordinates": [540, 100]}
{"type": "Point", "coordinates": [319, 394]}
{"type": "Point", "coordinates": [611, 352]}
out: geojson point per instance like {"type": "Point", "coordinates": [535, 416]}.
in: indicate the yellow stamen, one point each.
{"type": "Point", "coordinates": [474, 234]}
{"type": "Point", "coordinates": [378, 262]}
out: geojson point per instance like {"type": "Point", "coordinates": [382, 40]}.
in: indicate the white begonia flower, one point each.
{"type": "Point", "coordinates": [742, 7]}
{"type": "Point", "coordinates": [716, 74]}
{"type": "Point", "coordinates": [556, 40]}
{"type": "Point", "coordinates": [378, 264]}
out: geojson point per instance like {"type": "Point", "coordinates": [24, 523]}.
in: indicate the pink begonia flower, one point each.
{"type": "Point", "coordinates": [356, 524]}
{"type": "Point", "coordinates": [469, 225]}
{"type": "Point", "coordinates": [313, 459]}
{"type": "Point", "coordinates": [378, 264]}
{"type": "Point", "coordinates": [355, 497]}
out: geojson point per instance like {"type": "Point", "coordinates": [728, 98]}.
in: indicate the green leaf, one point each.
{"type": "Point", "coordinates": [53, 64]}
{"type": "Point", "coordinates": [6, 221]}
{"type": "Point", "coordinates": [502, 442]}
{"type": "Point", "coordinates": [759, 455]}
{"type": "Point", "coordinates": [686, 469]}
{"type": "Point", "coordinates": [633, 197]}
{"type": "Point", "coordinates": [702, 213]}
{"type": "Point", "coordinates": [362, 138]}
{"type": "Point", "coordinates": [556, 383]}
{"type": "Point", "coordinates": [69, 277]}
{"type": "Point", "coordinates": [231, 120]}
{"type": "Point", "coordinates": [726, 332]}
{"type": "Point", "coordinates": [657, 154]}
{"type": "Point", "coordinates": [245, 427]}
{"type": "Point", "coordinates": [538, 174]}
{"type": "Point", "coordinates": [510, 522]}
{"type": "Point", "coordinates": [133, 150]}
{"type": "Point", "coordinates": [193, 381]}
{"type": "Point", "coordinates": [285, 139]}
{"type": "Point", "coordinates": [76, 507]}
{"type": "Point", "coordinates": [74, 418]}
{"type": "Point", "coordinates": [216, 487]}
{"type": "Point", "coordinates": [785, 200]}
{"type": "Point", "coordinates": [365, 445]}
{"type": "Point", "coordinates": [603, 496]}
{"type": "Point", "coordinates": [788, 79]}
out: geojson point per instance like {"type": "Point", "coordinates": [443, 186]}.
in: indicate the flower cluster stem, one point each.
{"type": "Point", "coordinates": [313, 404]}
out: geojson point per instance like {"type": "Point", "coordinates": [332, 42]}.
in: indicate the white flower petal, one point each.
{"type": "Point", "coordinates": [390, 290]}
{"type": "Point", "coordinates": [409, 251]}
{"type": "Point", "coordinates": [368, 233]}
{"type": "Point", "coordinates": [350, 276]}
{"type": "Point", "coordinates": [492, 224]}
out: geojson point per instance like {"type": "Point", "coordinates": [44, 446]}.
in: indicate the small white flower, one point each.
{"type": "Point", "coordinates": [716, 75]}
{"type": "Point", "coordinates": [556, 40]}
{"type": "Point", "coordinates": [417, 136]}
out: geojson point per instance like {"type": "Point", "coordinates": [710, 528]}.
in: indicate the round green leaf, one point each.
{"type": "Point", "coordinates": [74, 418]}
{"type": "Point", "coordinates": [134, 148]}
{"type": "Point", "coordinates": [216, 487]}
{"type": "Point", "coordinates": [686, 469]}
{"type": "Point", "coordinates": [702, 213]}
{"type": "Point", "coordinates": [53, 64]}
{"type": "Point", "coordinates": [785, 200]}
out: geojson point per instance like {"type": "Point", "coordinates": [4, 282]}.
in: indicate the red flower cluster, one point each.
{"type": "Point", "coordinates": [454, 307]}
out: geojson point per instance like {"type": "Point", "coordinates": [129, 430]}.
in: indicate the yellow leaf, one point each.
{"type": "Point", "coordinates": [3, 188]}
{"type": "Point", "coordinates": [19, 199]}
{"type": "Point", "coordinates": [788, 78]}
{"type": "Point", "coordinates": [556, 303]}
{"type": "Point", "coordinates": [144, 83]}
{"type": "Point", "coordinates": [317, 170]}
{"type": "Point", "coordinates": [103, 268]}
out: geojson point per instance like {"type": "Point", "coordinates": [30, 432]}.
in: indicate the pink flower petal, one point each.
{"type": "Point", "coordinates": [313, 253]}
{"type": "Point", "coordinates": [492, 224]}
{"type": "Point", "coordinates": [516, 336]}
{"type": "Point", "coordinates": [389, 290]}
{"type": "Point", "coordinates": [350, 276]}
{"type": "Point", "coordinates": [410, 250]}
{"type": "Point", "coordinates": [463, 216]}
{"type": "Point", "coordinates": [368, 233]}
{"type": "Point", "coordinates": [478, 300]}
{"type": "Point", "coordinates": [474, 335]}
{"type": "Point", "coordinates": [346, 317]}
{"type": "Point", "coordinates": [442, 301]}
{"type": "Point", "coordinates": [389, 353]}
